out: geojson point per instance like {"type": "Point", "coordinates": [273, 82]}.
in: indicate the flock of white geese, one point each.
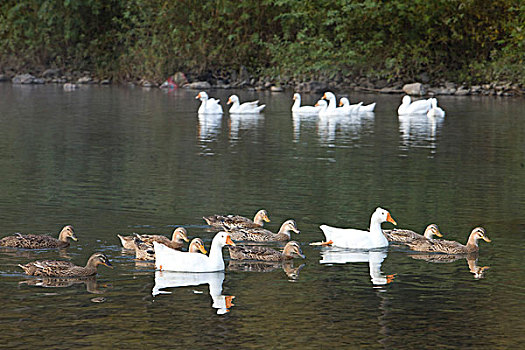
{"type": "Point", "coordinates": [325, 107]}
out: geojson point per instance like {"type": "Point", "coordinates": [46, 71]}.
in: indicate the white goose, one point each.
{"type": "Point", "coordinates": [347, 108]}
{"type": "Point", "coordinates": [435, 111]}
{"type": "Point", "coordinates": [245, 108]}
{"type": "Point", "coordinates": [367, 108]}
{"type": "Point", "coordinates": [359, 239]}
{"type": "Point", "coordinates": [208, 105]}
{"type": "Point", "coordinates": [307, 110]}
{"type": "Point", "coordinates": [332, 103]}
{"type": "Point", "coordinates": [174, 260]}
{"type": "Point", "coordinates": [416, 107]}
{"type": "Point", "coordinates": [323, 109]}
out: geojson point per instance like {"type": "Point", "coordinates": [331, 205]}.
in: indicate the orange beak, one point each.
{"type": "Point", "coordinates": [340, 103]}
{"type": "Point", "coordinates": [324, 96]}
{"type": "Point", "coordinates": [317, 104]}
{"type": "Point", "coordinates": [229, 241]}
{"type": "Point", "coordinates": [390, 219]}
{"type": "Point", "coordinates": [229, 101]}
{"type": "Point", "coordinates": [198, 96]}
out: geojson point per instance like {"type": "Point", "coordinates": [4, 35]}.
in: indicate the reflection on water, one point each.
{"type": "Point", "coordinates": [214, 280]}
{"type": "Point", "coordinates": [240, 122]}
{"type": "Point", "coordinates": [350, 127]}
{"type": "Point", "coordinates": [297, 120]}
{"type": "Point", "coordinates": [266, 266]}
{"type": "Point", "coordinates": [374, 258]}
{"type": "Point", "coordinates": [64, 282]}
{"type": "Point", "coordinates": [472, 261]}
{"type": "Point", "coordinates": [209, 126]}
{"type": "Point", "coordinates": [419, 131]}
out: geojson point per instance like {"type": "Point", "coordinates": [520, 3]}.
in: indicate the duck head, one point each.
{"type": "Point", "coordinates": [344, 101]}
{"type": "Point", "coordinates": [289, 225]}
{"type": "Point", "coordinates": [406, 100]}
{"type": "Point", "coordinates": [292, 248]}
{"type": "Point", "coordinates": [432, 230]}
{"type": "Point", "coordinates": [197, 245]}
{"type": "Point", "coordinates": [296, 96]}
{"type": "Point", "coordinates": [180, 234]}
{"type": "Point", "coordinates": [477, 234]}
{"type": "Point", "coordinates": [67, 232]}
{"type": "Point", "coordinates": [224, 238]}
{"type": "Point", "coordinates": [262, 215]}
{"type": "Point", "coordinates": [99, 259]}
{"type": "Point", "coordinates": [321, 103]}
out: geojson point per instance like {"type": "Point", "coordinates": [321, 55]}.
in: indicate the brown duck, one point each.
{"type": "Point", "coordinates": [31, 241]}
{"type": "Point", "coordinates": [145, 251]}
{"type": "Point", "coordinates": [60, 268]}
{"type": "Point", "coordinates": [231, 222]}
{"type": "Point", "coordinates": [451, 247]}
{"type": "Point", "coordinates": [180, 235]}
{"type": "Point", "coordinates": [176, 242]}
{"type": "Point", "coordinates": [405, 236]}
{"type": "Point", "coordinates": [291, 249]}
{"type": "Point", "coordinates": [263, 235]}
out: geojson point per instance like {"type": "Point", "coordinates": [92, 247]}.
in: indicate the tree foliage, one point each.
{"type": "Point", "coordinates": [127, 39]}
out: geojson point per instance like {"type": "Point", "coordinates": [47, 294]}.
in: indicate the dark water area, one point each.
{"type": "Point", "coordinates": [111, 160]}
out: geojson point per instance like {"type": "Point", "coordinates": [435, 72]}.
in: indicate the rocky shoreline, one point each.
{"type": "Point", "coordinates": [243, 80]}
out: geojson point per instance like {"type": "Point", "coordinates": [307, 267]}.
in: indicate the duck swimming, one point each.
{"type": "Point", "coordinates": [404, 236]}
{"type": "Point", "coordinates": [179, 236]}
{"type": "Point", "coordinates": [290, 250]}
{"type": "Point", "coordinates": [31, 241]}
{"type": "Point", "coordinates": [451, 247]}
{"type": "Point", "coordinates": [416, 107]}
{"type": "Point", "coordinates": [60, 268]}
{"type": "Point", "coordinates": [263, 235]}
{"type": "Point", "coordinates": [231, 222]}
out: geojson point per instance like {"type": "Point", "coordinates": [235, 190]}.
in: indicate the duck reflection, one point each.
{"type": "Point", "coordinates": [419, 131]}
{"type": "Point", "coordinates": [33, 253]}
{"type": "Point", "coordinates": [209, 126]}
{"type": "Point", "coordinates": [351, 125]}
{"type": "Point", "coordinates": [243, 121]}
{"type": "Point", "coordinates": [472, 261]}
{"type": "Point", "coordinates": [266, 266]}
{"type": "Point", "coordinates": [335, 255]}
{"type": "Point", "coordinates": [214, 280]}
{"type": "Point", "coordinates": [64, 282]}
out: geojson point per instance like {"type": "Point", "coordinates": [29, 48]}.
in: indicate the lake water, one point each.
{"type": "Point", "coordinates": [111, 160]}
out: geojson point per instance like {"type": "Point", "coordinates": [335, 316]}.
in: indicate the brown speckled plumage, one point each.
{"type": "Point", "coordinates": [180, 235]}
{"type": "Point", "coordinates": [451, 247]}
{"type": "Point", "coordinates": [263, 235]}
{"type": "Point", "coordinates": [241, 252]}
{"type": "Point", "coordinates": [60, 268]}
{"type": "Point", "coordinates": [405, 236]}
{"type": "Point", "coordinates": [31, 241]}
{"type": "Point", "coordinates": [231, 222]}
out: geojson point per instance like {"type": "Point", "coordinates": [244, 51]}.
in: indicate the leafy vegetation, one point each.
{"type": "Point", "coordinates": [465, 40]}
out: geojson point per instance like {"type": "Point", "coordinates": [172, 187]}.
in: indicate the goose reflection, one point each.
{"type": "Point", "coordinates": [350, 125]}
{"type": "Point", "coordinates": [65, 282]}
{"type": "Point", "coordinates": [209, 126]}
{"type": "Point", "coordinates": [243, 122]}
{"type": "Point", "coordinates": [472, 261]}
{"type": "Point", "coordinates": [214, 280]}
{"type": "Point", "coordinates": [266, 266]}
{"type": "Point", "coordinates": [374, 258]}
{"type": "Point", "coordinates": [297, 119]}
{"type": "Point", "coordinates": [419, 131]}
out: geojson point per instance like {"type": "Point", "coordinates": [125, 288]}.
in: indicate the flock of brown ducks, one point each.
{"type": "Point", "coordinates": [239, 228]}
